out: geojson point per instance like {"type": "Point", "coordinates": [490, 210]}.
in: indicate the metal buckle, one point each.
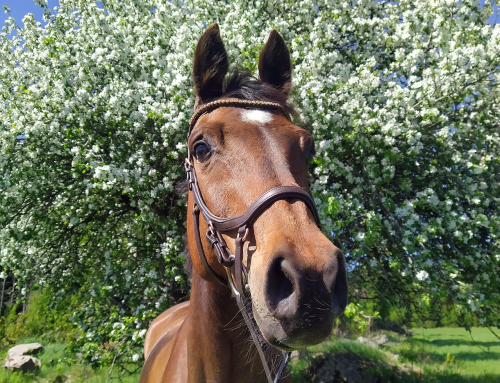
{"type": "Point", "coordinates": [187, 165]}
{"type": "Point", "coordinates": [211, 238]}
{"type": "Point", "coordinates": [211, 234]}
{"type": "Point", "coordinates": [231, 282]}
{"type": "Point", "coordinates": [230, 256]}
{"type": "Point", "coordinates": [244, 236]}
{"type": "Point", "coordinates": [245, 273]}
{"type": "Point", "coordinates": [211, 228]}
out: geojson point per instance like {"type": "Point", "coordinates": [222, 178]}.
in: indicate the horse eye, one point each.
{"type": "Point", "coordinates": [202, 151]}
{"type": "Point", "coordinates": [311, 153]}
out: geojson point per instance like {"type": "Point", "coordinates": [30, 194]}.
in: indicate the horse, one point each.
{"type": "Point", "coordinates": [265, 278]}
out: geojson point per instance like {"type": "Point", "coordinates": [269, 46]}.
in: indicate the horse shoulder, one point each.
{"type": "Point", "coordinates": [161, 339]}
{"type": "Point", "coordinates": [165, 322]}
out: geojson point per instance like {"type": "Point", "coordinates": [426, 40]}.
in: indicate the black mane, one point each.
{"type": "Point", "coordinates": [242, 85]}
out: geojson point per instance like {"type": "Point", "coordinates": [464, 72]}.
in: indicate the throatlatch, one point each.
{"type": "Point", "coordinates": [237, 274]}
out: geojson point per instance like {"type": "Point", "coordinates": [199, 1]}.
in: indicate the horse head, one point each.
{"type": "Point", "coordinates": [296, 275]}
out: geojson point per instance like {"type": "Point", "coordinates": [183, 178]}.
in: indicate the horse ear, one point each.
{"type": "Point", "coordinates": [275, 67]}
{"type": "Point", "coordinates": [210, 65]}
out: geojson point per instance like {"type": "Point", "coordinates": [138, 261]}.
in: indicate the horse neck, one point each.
{"type": "Point", "coordinates": [218, 340]}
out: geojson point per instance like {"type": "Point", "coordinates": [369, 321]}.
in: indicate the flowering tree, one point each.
{"type": "Point", "coordinates": [402, 98]}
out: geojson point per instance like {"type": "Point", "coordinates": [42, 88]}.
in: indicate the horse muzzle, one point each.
{"type": "Point", "coordinates": [301, 301]}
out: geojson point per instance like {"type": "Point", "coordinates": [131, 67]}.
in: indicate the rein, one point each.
{"type": "Point", "coordinates": [237, 274]}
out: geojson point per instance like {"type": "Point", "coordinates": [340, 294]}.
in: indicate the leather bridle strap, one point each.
{"type": "Point", "coordinates": [237, 277]}
{"type": "Point", "coordinates": [255, 210]}
{"type": "Point", "coordinates": [201, 252]}
{"type": "Point", "coordinates": [242, 222]}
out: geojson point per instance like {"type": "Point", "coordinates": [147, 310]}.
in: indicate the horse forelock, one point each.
{"type": "Point", "coordinates": [241, 84]}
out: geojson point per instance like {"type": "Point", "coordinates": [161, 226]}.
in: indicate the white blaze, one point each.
{"type": "Point", "coordinates": [255, 115]}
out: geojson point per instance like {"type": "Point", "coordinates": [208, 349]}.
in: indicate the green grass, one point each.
{"type": "Point", "coordinates": [351, 347]}
{"type": "Point", "coordinates": [59, 366]}
{"type": "Point", "coordinates": [349, 350]}
{"type": "Point", "coordinates": [446, 355]}
{"type": "Point", "coordinates": [450, 354]}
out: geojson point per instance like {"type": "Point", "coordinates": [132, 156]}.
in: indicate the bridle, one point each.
{"type": "Point", "coordinates": [237, 274]}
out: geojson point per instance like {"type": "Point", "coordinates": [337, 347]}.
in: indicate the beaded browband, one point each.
{"type": "Point", "coordinates": [235, 102]}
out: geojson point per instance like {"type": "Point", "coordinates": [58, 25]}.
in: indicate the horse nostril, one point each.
{"type": "Point", "coordinates": [340, 286]}
{"type": "Point", "coordinates": [281, 298]}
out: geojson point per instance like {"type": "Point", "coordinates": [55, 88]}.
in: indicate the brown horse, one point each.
{"type": "Point", "coordinates": [296, 276]}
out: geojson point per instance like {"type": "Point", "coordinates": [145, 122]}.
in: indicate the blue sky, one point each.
{"type": "Point", "coordinates": [495, 17]}
{"type": "Point", "coordinates": [19, 8]}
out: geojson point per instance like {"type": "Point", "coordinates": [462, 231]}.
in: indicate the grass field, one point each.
{"type": "Point", "coordinates": [59, 366]}
{"type": "Point", "coordinates": [447, 355]}
{"type": "Point", "coordinates": [453, 351]}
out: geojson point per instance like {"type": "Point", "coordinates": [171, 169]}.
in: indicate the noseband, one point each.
{"type": "Point", "coordinates": [237, 274]}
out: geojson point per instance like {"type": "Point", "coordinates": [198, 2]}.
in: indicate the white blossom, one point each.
{"type": "Point", "coordinates": [403, 106]}
{"type": "Point", "coordinates": [422, 275]}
